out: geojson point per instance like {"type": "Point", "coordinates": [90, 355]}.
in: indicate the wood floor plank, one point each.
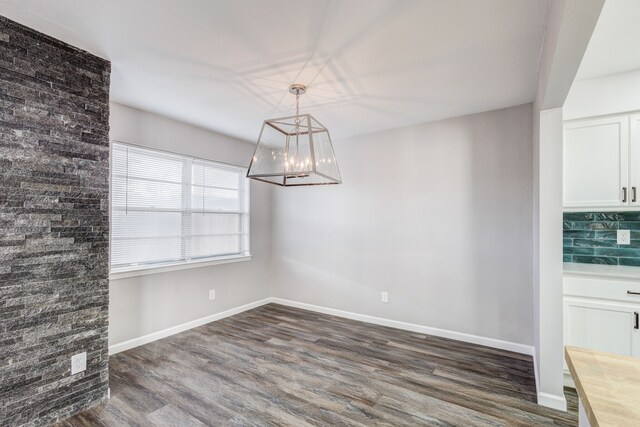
{"type": "Point", "coordinates": [170, 416]}
{"type": "Point", "coordinates": [283, 366]}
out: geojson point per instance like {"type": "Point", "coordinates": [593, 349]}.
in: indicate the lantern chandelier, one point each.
{"type": "Point", "coordinates": [294, 150]}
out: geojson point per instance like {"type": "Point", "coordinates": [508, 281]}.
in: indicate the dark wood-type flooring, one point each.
{"type": "Point", "coordinates": [276, 365]}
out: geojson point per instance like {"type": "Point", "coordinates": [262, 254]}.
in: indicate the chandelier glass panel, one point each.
{"type": "Point", "coordinates": [294, 151]}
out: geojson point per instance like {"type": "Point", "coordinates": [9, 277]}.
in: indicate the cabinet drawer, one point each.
{"type": "Point", "coordinates": [626, 291]}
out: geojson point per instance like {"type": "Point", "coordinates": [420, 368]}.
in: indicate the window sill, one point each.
{"type": "Point", "coordinates": [144, 271]}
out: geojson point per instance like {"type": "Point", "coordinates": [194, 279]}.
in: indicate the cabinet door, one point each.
{"type": "Point", "coordinates": [596, 163]}
{"type": "Point", "coordinates": [601, 326]}
{"type": "Point", "coordinates": [634, 161]}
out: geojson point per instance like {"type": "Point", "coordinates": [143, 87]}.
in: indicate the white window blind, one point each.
{"type": "Point", "coordinates": [168, 208]}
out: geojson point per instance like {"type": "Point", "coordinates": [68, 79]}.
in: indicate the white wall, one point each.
{"type": "Point", "coordinates": [146, 304]}
{"type": "Point", "coordinates": [613, 94]}
{"type": "Point", "coordinates": [439, 215]}
{"type": "Point", "coordinates": [554, 22]}
{"type": "Point", "coordinates": [549, 259]}
{"type": "Point", "coordinates": [569, 27]}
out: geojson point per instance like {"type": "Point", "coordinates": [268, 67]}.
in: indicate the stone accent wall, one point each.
{"type": "Point", "coordinates": [54, 226]}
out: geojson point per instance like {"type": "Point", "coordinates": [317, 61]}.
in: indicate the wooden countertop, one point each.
{"type": "Point", "coordinates": [608, 385]}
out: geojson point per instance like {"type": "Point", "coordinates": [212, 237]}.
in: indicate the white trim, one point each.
{"type": "Point", "coordinates": [552, 401]}
{"type": "Point", "coordinates": [143, 271]}
{"type": "Point", "coordinates": [633, 208]}
{"type": "Point", "coordinates": [459, 336]}
{"type": "Point", "coordinates": [154, 336]}
{"type": "Point", "coordinates": [603, 116]}
{"type": "Point", "coordinates": [535, 370]}
{"type": "Point", "coordinates": [544, 399]}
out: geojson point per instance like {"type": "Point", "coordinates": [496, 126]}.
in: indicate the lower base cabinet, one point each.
{"type": "Point", "coordinates": [602, 326]}
{"type": "Point", "coordinates": [601, 314]}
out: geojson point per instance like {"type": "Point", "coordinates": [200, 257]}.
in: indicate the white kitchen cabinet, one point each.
{"type": "Point", "coordinates": [602, 326]}
{"type": "Point", "coordinates": [634, 159]}
{"type": "Point", "coordinates": [596, 163]}
{"type": "Point", "coordinates": [602, 313]}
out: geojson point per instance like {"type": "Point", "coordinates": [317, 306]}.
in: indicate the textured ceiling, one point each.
{"type": "Point", "coordinates": [613, 48]}
{"type": "Point", "coordinates": [369, 64]}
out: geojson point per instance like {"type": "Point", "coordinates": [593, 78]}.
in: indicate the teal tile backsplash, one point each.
{"type": "Point", "coordinates": [591, 238]}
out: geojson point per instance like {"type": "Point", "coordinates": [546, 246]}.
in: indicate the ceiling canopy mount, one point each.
{"type": "Point", "coordinates": [297, 89]}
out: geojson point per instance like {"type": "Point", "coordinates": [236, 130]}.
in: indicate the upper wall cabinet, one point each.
{"type": "Point", "coordinates": [596, 162]}
{"type": "Point", "coordinates": [634, 160]}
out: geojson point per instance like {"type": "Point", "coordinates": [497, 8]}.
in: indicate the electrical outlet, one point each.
{"type": "Point", "coordinates": [384, 296]}
{"type": "Point", "coordinates": [78, 363]}
{"type": "Point", "coordinates": [624, 237]}
{"type": "Point", "coordinates": [212, 294]}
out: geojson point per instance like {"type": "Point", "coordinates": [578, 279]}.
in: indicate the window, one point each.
{"type": "Point", "coordinates": [169, 209]}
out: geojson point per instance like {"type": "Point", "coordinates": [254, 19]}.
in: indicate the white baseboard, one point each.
{"type": "Point", "coordinates": [552, 401]}
{"type": "Point", "coordinates": [154, 336]}
{"type": "Point", "coordinates": [460, 336]}
{"type": "Point", "coordinates": [535, 370]}
{"type": "Point", "coordinates": [544, 399]}
{"type": "Point", "coordinates": [473, 339]}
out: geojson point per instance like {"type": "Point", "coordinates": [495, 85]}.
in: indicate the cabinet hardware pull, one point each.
{"type": "Point", "coordinates": [633, 198]}
{"type": "Point", "coordinates": [633, 293]}
{"type": "Point", "coordinates": [624, 194]}
{"type": "Point", "coordinates": [635, 326]}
